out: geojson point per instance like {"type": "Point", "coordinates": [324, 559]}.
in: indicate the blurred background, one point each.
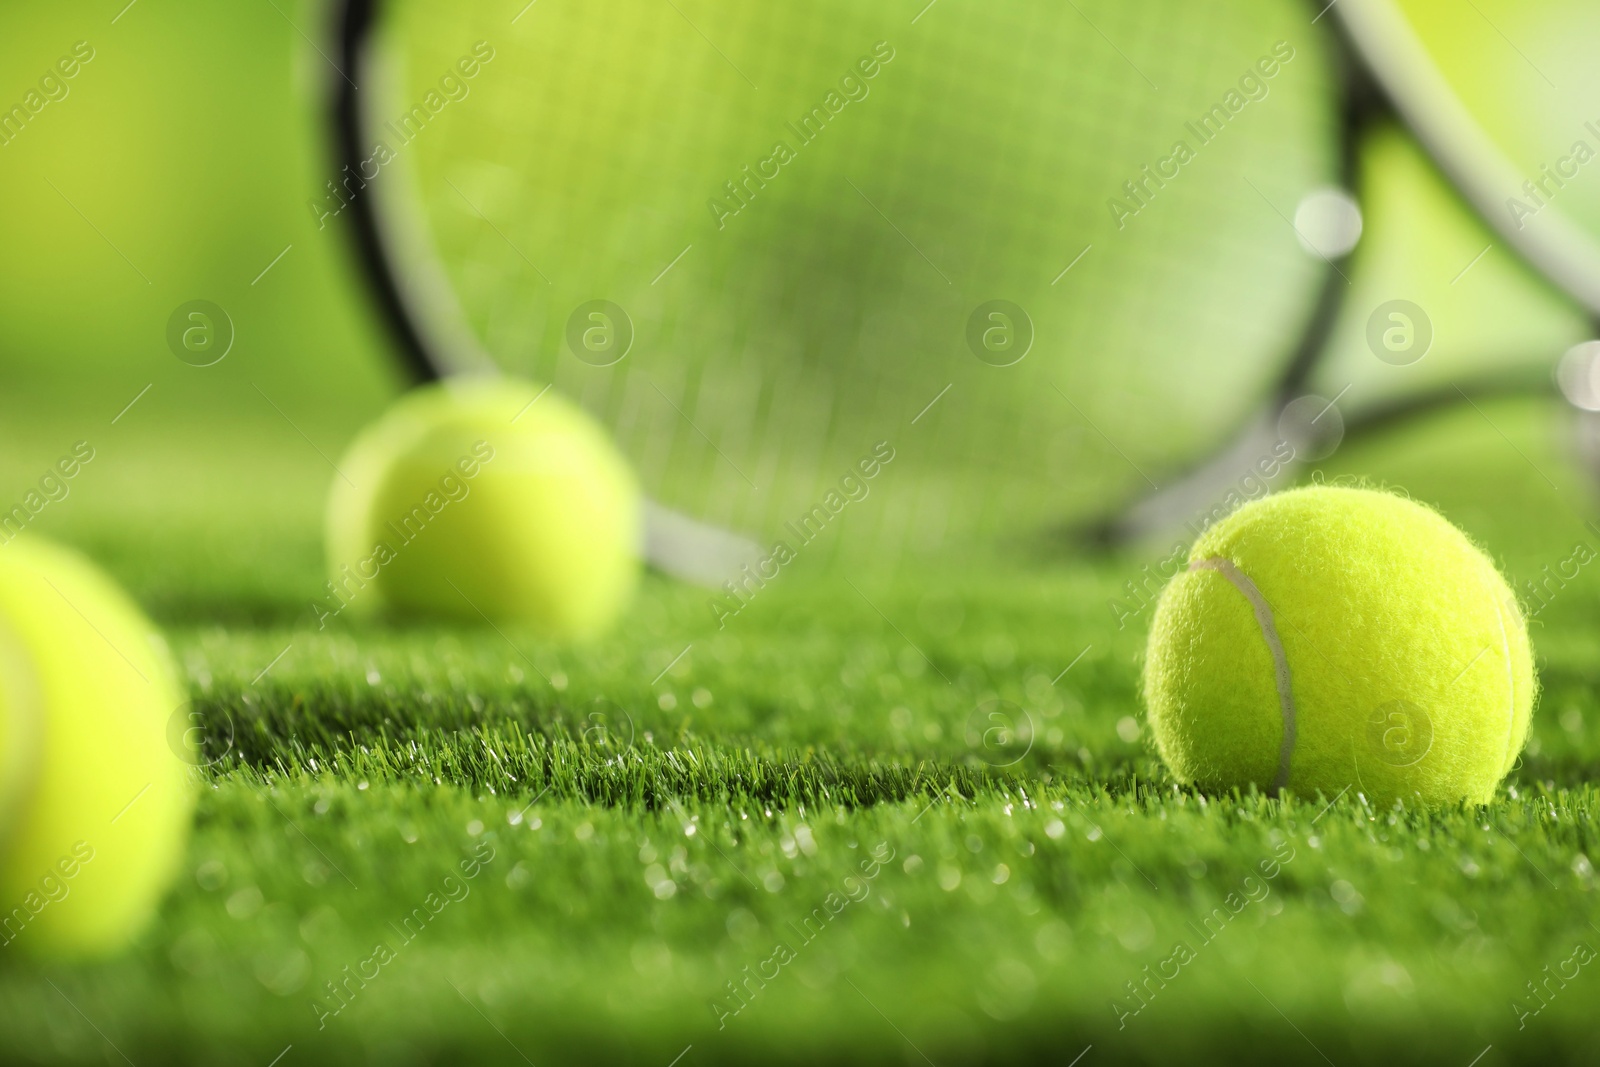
{"type": "Point", "coordinates": [183, 164]}
{"type": "Point", "coordinates": [190, 161]}
{"type": "Point", "coordinates": [178, 168]}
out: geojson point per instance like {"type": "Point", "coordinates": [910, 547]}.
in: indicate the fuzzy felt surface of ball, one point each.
{"type": "Point", "coordinates": [1328, 638]}
{"type": "Point", "coordinates": [486, 500]}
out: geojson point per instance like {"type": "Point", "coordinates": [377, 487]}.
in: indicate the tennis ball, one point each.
{"type": "Point", "coordinates": [19, 728]}
{"type": "Point", "coordinates": [103, 801]}
{"type": "Point", "coordinates": [486, 499]}
{"type": "Point", "coordinates": [1326, 638]}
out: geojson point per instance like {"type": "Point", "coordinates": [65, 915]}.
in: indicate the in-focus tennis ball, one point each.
{"type": "Point", "coordinates": [486, 499]}
{"type": "Point", "coordinates": [1326, 638]}
{"type": "Point", "coordinates": [102, 804]}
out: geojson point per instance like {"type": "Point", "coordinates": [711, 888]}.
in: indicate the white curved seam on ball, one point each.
{"type": "Point", "coordinates": [1280, 659]}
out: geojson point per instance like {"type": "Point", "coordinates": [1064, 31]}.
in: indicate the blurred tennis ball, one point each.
{"type": "Point", "coordinates": [19, 729]}
{"type": "Point", "coordinates": [486, 499]}
{"type": "Point", "coordinates": [102, 801]}
{"type": "Point", "coordinates": [1330, 638]}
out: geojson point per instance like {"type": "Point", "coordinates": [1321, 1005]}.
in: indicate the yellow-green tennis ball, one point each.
{"type": "Point", "coordinates": [1327, 638]}
{"type": "Point", "coordinates": [102, 815]}
{"type": "Point", "coordinates": [19, 729]}
{"type": "Point", "coordinates": [486, 499]}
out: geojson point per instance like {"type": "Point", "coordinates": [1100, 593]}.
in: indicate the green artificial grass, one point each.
{"type": "Point", "coordinates": [680, 808]}
{"type": "Point", "coordinates": [803, 836]}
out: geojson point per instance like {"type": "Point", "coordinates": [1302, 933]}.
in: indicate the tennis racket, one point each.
{"type": "Point", "coordinates": [1479, 266]}
{"type": "Point", "coordinates": [1033, 253]}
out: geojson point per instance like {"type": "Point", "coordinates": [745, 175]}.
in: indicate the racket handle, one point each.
{"type": "Point", "coordinates": [693, 551]}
